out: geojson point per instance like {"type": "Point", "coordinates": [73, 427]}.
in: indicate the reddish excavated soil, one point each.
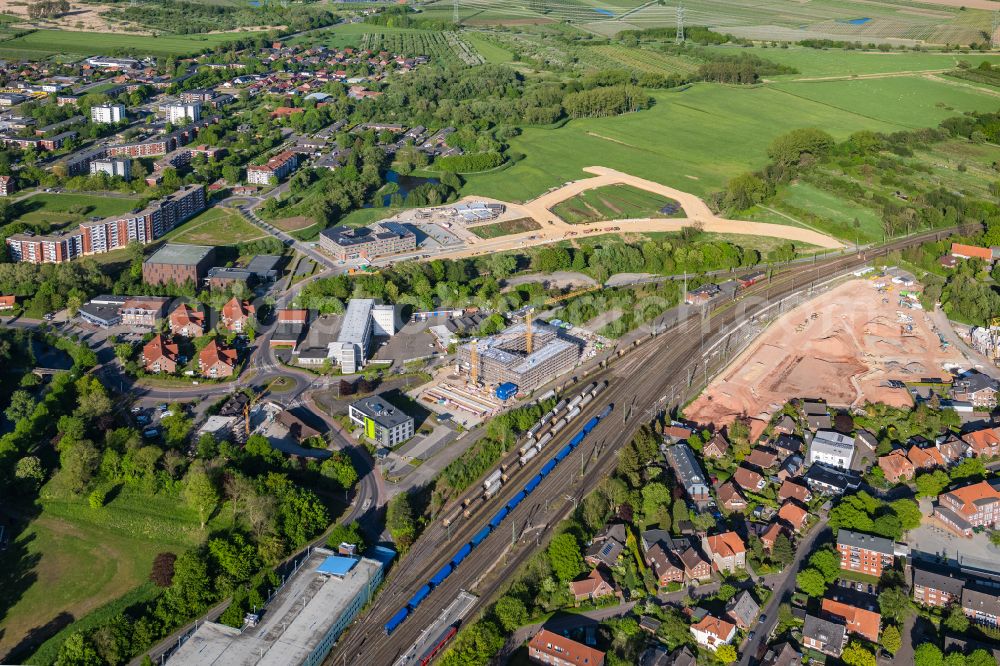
{"type": "Point", "coordinates": [843, 346]}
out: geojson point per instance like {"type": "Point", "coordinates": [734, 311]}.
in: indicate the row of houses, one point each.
{"type": "Point", "coordinates": [215, 361]}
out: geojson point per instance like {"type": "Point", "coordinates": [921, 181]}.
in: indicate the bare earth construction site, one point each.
{"type": "Point", "coordinates": [844, 346]}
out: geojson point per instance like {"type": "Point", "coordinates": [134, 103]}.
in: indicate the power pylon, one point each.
{"type": "Point", "coordinates": [680, 23]}
{"type": "Point", "coordinates": [454, 11]}
{"type": "Point", "coordinates": [994, 39]}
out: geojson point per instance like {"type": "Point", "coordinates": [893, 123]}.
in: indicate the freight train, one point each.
{"type": "Point", "coordinates": [493, 524]}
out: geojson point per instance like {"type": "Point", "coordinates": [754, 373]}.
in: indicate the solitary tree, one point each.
{"type": "Point", "coordinates": [200, 492]}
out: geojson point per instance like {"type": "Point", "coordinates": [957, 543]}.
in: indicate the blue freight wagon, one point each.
{"type": "Point", "coordinates": [441, 575]}
{"type": "Point", "coordinates": [396, 620]}
{"type": "Point", "coordinates": [497, 519]}
{"type": "Point", "coordinates": [419, 596]}
{"type": "Point", "coordinates": [531, 485]}
{"type": "Point", "coordinates": [481, 535]}
{"type": "Point", "coordinates": [460, 555]}
{"type": "Point", "coordinates": [577, 438]}
{"type": "Point", "coordinates": [506, 391]}
{"type": "Point", "coordinates": [515, 500]}
{"type": "Point", "coordinates": [549, 466]}
{"type": "Point", "coordinates": [605, 412]}
{"type": "Point", "coordinates": [565, 451]}
{"type": "Point", "coordinates": [591, 424]}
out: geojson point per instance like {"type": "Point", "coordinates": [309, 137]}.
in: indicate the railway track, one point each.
{"type": "Point", "coordinates": [638, 385]}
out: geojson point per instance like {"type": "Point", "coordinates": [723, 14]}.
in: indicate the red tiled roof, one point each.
{"type": "Point", "coordinates": [726, 544]}
{"type": "Point", "coordinates": [858, 620]}
{"type": "Point", "coordinates": [715, 626]}
{"type": "Point", "coordinates": [214, 353]}
{"type": "Point", "coordinates": [793, 514]}
{"type": "Point", "coordinates": [159, 347]}
{"type": "Point", "coordinates": [969, 495]}
{"type": "Point", "coordinates": [565, 649]}
{"type": "Point", "coordinates": [971, 251]}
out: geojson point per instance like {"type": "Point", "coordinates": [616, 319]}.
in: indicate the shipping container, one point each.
{"type": "Point", "coordinates": [543, 441]}
{"type": "Point", "coordinates": [492, 478]}
{"type": "Point", "coordinates": [531, 485]}
{"type": "Point", "coordinates": [480, 535]}
{"type": "Point", "coordinates": [604, 412]}
{"type": "Point", "coordinates": [419, 597]}
{"type": "Point", "coordinates": [441, 575]}
{"type": "Point", "coordinates": [515, 500]}
{"type": "Point", "coordinates": [506, 391]}
{"type": "Point", "coordinates": [531, 453]}
{"type": "Point", "coordinates": [497, 519]}
{"type": "Point", "coordinates": [460, 555]}
{"type": "Point", "coordinates": [396, 620]}
{"type": "Point", "coordinates": [565, 451]}
{"type": "Point", "coordinates": [549, 466]}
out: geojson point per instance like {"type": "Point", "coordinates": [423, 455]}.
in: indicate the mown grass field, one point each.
{"type": "Point", "coordinates": [697, 139]}
{"type": "Point", "coordinates": [804, 205]}
{"type": "Point", "coordinates": [60, 210]}
{"type": "Point", "coordinates": [615, 202]}
{"type": "Point", "coordinates": [497, 229]}
{"type": "Point", "coordinates": [43, 43]}
{"type": "Point", "coordinates": [79, 558]}
{"type": "Point", "coordinates": [216, 226]}
{"type": "Point", "coordinates": [837, 62]}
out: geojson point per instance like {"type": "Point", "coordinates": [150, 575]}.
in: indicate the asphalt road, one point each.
{"type": "Point", "coordinates": [639, 386]}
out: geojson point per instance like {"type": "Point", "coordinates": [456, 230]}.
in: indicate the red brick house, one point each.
{"type": "Point", "coordinates": [865, 553]}
{"type": "Point", "coordinates": [715, 447]}
{"type": "Point", "coordinates": [695, 566]}
{"type": "Point", "coordinates": [796, 491]}
{"type": "Point", "coordinates": [217, 361]}
{"type": "Point", "coordinates": [985, 442]}
{"type": "Point", "coordinates": [794, 515]}
{"type": "Point", "coordinates": [187, 321]}
{"type": "Point", "coordinates": [858, 621]}
{"type": "Point", "coordinates": [237, 315]}
{"type": "Point", "coordinates": [731, 498]}
{"type": "Point", "coordinates": [547, 647]}
{"type": "Point", "coordinates": [747, 479]}
{"type": "Point", "coordinates": [896, 467]}
{"type": "Point", "coordinates": [768, 538]}
{"type": "Point", "coordinates": [594, 586]}
{"type": "Point", "coordinates": [160, 355]}
{"type": "Point", "coordinates": [666, 569]}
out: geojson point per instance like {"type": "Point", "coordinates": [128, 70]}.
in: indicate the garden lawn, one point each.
{"type": "Point", "coordinates": [44, 43]}
{"type": "Point", "coordinates": [615, 202]}
{"type": "Point", "coordinates": [697, 139]}
{"type": "Point", "coordinates": [54, 209]}
{"type": "Point", "coordinates": [216, 226]}
{"type": "Point", "coordinates": [77, 559]}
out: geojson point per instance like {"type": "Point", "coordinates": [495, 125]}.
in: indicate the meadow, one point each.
{"type": "Point", "coordinates": [216, 226]}
{"type": "Point", "coordinates": [44, 43]}
{"type": "Point", "coordinates": [55, 211]}
{"type": "Point", "coordinates": [837, 62]}
{"type": "Point", "coordinates": [697, 139]}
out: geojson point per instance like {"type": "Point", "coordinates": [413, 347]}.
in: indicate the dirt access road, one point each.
{"type": "Point", "coordinates": [555, 228]}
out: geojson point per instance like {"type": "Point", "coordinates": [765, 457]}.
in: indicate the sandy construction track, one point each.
{"type": "Point", "coordinates": [842, 346]}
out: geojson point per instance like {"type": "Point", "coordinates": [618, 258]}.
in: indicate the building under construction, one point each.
{"type": "Point", "coordinates": [527, 354]}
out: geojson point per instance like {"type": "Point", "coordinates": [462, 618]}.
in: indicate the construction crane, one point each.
{"type": "Point", "coordinates": [527, 329]}
{"type": "Point", "coordinates": [474, 361]}
{"type": "Point", "coordinates": [252, 402]}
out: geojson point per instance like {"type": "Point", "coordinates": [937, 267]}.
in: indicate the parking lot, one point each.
{"type": "Point", "coordinates": [931, 538]}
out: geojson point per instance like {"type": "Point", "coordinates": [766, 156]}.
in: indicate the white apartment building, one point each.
{"type": "Point", "coordinates": [113, 167]}
{"type": "Point", "coordinates": [183, 113]}
{"type": "Point", "coordinates": [107, 113]}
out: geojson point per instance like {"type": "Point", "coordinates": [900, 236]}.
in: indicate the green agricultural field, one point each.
{"type": "Point", "coordinates": [802, 204]}
{"type": "Point", "coordinates": [43, 43]}
{"type": "Point", "coordinates": [216, 226]}
{"type": "Point", "coordinates": [836, 62]}
{"type": "Point", "coordinates": [55, 211]}
{"type": "Point", "coordinates": [643, 60]}
{"type": "Point", "coordinates": [697, 139]}
{"type": "Point", "coordinates": [488, 50]}
{"type": "Point", "coordinates": [73, 559]}
{"type": "Point", "coordinates": [352, 34]}
{"type": "Point", "coordinates": [615, 202]}
{"type": "Point", "coordinates": [497, 229]}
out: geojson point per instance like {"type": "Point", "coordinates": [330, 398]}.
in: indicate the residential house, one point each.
{"type": "Point", "coordinates": [794, 515]}
{"type": "Point", "coordinates": [743, 609]}
{"type": "Point", "coordinates": [816, 414]}
{"type": "Point", "coordinates": [658, 654]}
{"type": "Point", "coordinates": [859, 621]}
{"type": "Point", "coordinates": [785, 426]}
{"type": "Point", "coordinates": [831, 448]}
{"type": "Point", "coordinates": [748, 479]}
{"type": "Point", "coordinates": [674, 434]}
{"type": "Point", "coordinates": [143, 311]}
{"type": "Point", "coordinates": [731, 498]}
{"type": "Point", "coordinates": [866, 553]}
{"type": "Point", "coordinates": [712, 632]}
{"type": "Point", "coordinates": [977, 504]}
{"type": "Point", "coordinates": [791, 490]}
{"type": "Point", "coordinates": [716, 447]}
{"type": "Point", "coordinates": [547, 647]}
{"type": "Point", "coordinates": [925, 458]}
{"type": "Point", "coordinates": [649, 624]}
{"type": "Point", "coordinates": [896, 466]}
{"type": "Point", "coordinates": [688, 472]}
{"type": "Point", "coordinates": [607, 546]}
{"type": "Point", "coordinates": [963, 251]}
{"type": "Point", "coordinates": [763, 457]}
{"type": "Point", "coordinates": [985, 442]}
{"type": "Point", "coordinates": [594, 586]}
{"type": "Point", "coordinates": [8, 302]}
{"type": "Point", "coordinates": [187, 322]}
{"type": "Point", "coordinates": [786, 445]}
{"type": "Point", "coordinates": [953, 449]}
{"type": "Point", "coordinates": [824, 636]}
{"type": "Point", "coordinates": [828, 480]}
{"type": "Point", "coordinates": [768, 538]}
{"type": "Point", "coordinates": [696, 568]}
{"type": "Point", "coordinates": [782, 654]}
{"type": "Point", "coordinates": [160, 355]}
{"type": "Point", "coordinates": [982, 607]}
{"type": "Point", "coordinates": [726, 551]}
{"type": "Point", "coordinates": [666, 568]}
{"type": "Point", "coordinates": [216, 360]}
{"type": "Point", "coordinates": [977, 388]}
{"type": "Point", "coordinates": [237, 315]}
{"type": "Point", "coordinates": [932, 588]}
